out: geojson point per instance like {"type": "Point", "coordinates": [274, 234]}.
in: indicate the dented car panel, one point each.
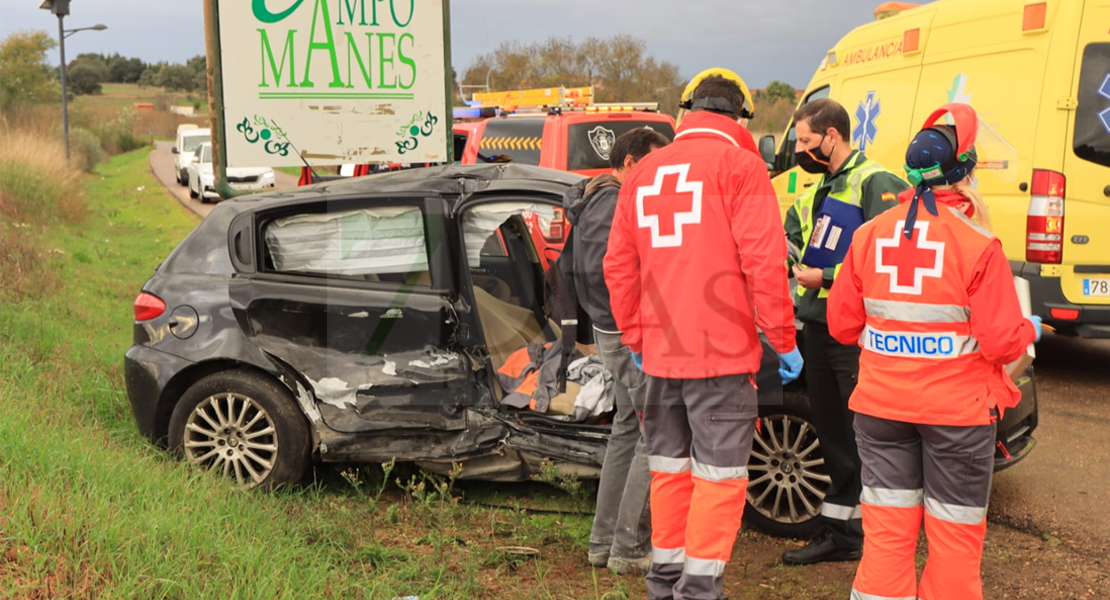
{"type": "Point", "coordinates": [373, 359]}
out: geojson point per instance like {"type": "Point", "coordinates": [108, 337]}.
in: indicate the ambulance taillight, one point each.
{"type": "Point", "coordinates": [1044, 229]}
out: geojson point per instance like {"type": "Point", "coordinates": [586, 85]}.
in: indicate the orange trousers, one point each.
{"type": "Point", "coordinates": [913, 473]}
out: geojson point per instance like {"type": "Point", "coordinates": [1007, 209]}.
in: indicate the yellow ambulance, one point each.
{"type": "Point", "coordinates": [1038, 74]}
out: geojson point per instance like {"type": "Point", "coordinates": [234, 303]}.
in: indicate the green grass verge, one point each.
{"type": "Point", "coordinates": [89, 509]}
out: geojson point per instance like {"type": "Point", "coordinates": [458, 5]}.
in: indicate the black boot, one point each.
{"type": "Point", "coordinates": [824, 548]}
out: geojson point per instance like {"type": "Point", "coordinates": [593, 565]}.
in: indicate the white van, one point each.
{"type": "Point", "coordinates": [188, 138]}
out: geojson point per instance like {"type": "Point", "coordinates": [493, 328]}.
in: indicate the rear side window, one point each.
{"type": "Point", "coordinates": [370, 244]}
{"type": "Point", "coordinates": [191, 142]}
{"type": "Point", "coordinates": [589, 144]}
{"type": "Point", "coordinates": [517, 140]}
{"type": "Point", "coordinates": [1092, 117]}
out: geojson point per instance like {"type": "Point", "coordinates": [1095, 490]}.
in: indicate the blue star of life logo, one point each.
{"type": "Point", "coordinates": [1104, 91]}
{"type": "Point", "coordinates": [866, 130]}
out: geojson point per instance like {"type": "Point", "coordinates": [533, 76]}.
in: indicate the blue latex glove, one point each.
{"type": "Point", "coordinates": [1036, 321]}
{"type": "Point", "coordinates": [790, 365]}
{"type": "Point", "coordinates": [638, 360]}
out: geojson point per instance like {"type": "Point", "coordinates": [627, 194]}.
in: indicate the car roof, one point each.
{"type": "Point", "coordinates": [449, 180]}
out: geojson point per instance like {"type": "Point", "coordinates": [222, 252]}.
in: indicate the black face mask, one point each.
{"type": "Point", "coordinates": [813, 160]}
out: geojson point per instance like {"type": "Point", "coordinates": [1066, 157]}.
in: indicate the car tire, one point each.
{"type": "Point", "coordinates": [246, 426]}
{"type": "Point", "coordinates": [787, 476]}
{"type": "Point", "coordinates": [183, 177]}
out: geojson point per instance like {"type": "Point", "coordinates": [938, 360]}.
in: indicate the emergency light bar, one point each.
{"type": "Point", "coordinates": [474, 112]}
{"type": "Point", "coordinates": [556, 96]}
{"type": "Point", "coordinates": [623, 107]}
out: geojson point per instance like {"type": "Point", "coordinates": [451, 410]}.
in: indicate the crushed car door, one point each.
{"type": "Point", "coordinates": [355, 296]}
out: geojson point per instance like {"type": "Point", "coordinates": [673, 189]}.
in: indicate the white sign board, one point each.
{"type": "Point", "coordinates": [338, 81]}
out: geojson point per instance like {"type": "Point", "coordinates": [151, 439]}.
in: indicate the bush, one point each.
{"type": "Point", "coordinates": [85, 77]}
{"type": "Point", "coordinates": [117, 135]}
{"type": "Point", "coordinates": [85, 148]}
{"type": "Point", "coordinates": [127, 141]}
{"type": "Point", "coordinates": [36, 185]}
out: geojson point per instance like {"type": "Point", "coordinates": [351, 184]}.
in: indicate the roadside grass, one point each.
{"type": "Point", "coordinates": [90, 509]}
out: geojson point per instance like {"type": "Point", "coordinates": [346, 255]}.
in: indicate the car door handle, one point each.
{"type": "Point", "coordinates": [806, 185]}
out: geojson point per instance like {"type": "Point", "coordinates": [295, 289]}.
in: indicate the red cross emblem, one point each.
{"type": "Point", "coordinates": [668, 204]}
{"type": "Point", "coordinates": [909, 262]}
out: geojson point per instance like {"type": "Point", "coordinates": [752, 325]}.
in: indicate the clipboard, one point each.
{"type": "Point", "coordinates": [1017, 368]}
{"type": "Point", "coordinates": [833, 228]}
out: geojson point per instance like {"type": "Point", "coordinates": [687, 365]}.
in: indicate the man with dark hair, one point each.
{"type": "Point", "coordinates": [852, 190]}
{"type": "Point", "coordinates": [621, 535]}
{"type": "Point", "coordinates": [696, 261]}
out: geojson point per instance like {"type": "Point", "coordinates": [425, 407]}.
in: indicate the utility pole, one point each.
{"type": "Point", "coordinates": [65, 95]}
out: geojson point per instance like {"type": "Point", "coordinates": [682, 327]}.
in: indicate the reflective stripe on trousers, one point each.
{"type": "Point", "coordinates": [837, 512]}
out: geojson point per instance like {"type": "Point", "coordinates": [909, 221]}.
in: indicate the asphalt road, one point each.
{"type": "Point", "coordinates": [161, 164]}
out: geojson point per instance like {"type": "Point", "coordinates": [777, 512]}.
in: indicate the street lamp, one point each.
{"type": "Point", "coordinates": [97, 27]}
{"type": "Point", "coordinates": [61, 8]}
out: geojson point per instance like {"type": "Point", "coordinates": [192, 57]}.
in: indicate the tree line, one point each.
{"type": "Point", "coordinates": [89, 71]}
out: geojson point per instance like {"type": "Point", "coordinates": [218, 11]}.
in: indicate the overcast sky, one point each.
{"type": "Point", "coordinates": [763, 40]}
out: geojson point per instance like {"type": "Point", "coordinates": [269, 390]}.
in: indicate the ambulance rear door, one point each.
{"type": "Point", "coordinates": [1086, 274]}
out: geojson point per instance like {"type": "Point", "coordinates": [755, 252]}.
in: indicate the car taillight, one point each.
{"type": "Point", "coordinates": [555, 229]}
{"type": "Point", "coordinates": [1044, 228]}
{"type": "Point", "coordinates": [148, 306]}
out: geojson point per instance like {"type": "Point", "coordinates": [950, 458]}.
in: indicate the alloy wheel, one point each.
{"type": "Point", "coordinates": [788, 479]}
{"type": "Point", "coordinates": [232, 434]}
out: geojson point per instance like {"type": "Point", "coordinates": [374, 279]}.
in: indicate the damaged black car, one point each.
{"type": "Point", "coordinates": [398, 316]}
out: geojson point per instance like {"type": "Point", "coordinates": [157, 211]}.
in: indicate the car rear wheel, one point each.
{"type": "Point", "coordinates": [787, 475]}
{"type": "Point", "coordinates": [244, 426]}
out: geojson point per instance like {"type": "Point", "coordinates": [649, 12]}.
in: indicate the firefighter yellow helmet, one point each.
{"type": "Point", "coordinates": [746, 112]}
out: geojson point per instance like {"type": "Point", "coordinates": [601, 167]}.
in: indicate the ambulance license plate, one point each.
{"type": "Point", "coordinates": [1096, 287]}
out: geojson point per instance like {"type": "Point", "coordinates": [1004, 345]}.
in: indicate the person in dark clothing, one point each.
{"type": "Point", "coordinates": [621, 534]}
{"type": "Point", "coordinates": [850, 180]}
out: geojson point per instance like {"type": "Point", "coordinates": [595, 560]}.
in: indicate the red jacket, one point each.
{"type": "Point", "coordinates": [937, 317]}
{"type": "Point", "coordinates": [696, 255]}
